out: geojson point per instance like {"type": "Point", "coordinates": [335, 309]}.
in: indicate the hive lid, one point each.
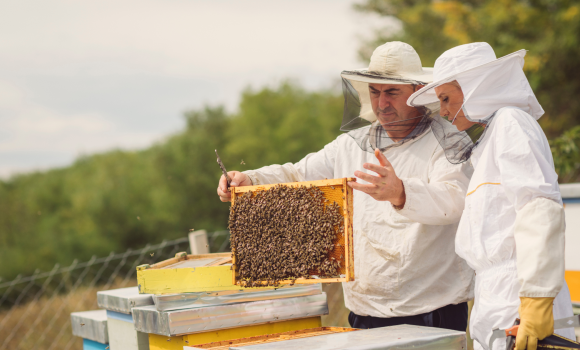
{"type": "Point", "coordinates": [123, 299]}
{"type": "Point", "coordinates": [168, 302]}
{"type": "Point", "coordinates": [90, 325]}
{"type": "Point", "coordinates": [385, 338]}
{"type": "Point", "coordinates": [202, 319]}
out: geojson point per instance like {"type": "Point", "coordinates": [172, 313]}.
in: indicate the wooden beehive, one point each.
{"type": "Point", "coordinates": [271, 338]}
{"type": "Point", "coordinates": [177, 342]}
{"type": "Point", "coordinates": [187, 273]}
{"type": "Point", "coordinates": [335, 190]}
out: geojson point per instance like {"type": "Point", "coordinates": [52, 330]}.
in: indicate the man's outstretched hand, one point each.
{"type": "Point", "coordinates": [238, 179]}
{"type": "Point", "coordinates": [384, 187]}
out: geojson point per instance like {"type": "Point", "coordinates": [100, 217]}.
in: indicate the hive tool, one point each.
{"type": "Point", "coordinates": [229, 180]}
{"type": "Point", "coordinates": [553, 341]}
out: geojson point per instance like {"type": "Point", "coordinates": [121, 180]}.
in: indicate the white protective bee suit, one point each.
{"type": "Point", "coordinates": [512, 229]}
{"type": "Point", "coordinates": [405, 263]}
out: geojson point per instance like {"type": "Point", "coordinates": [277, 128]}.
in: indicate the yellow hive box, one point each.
{"type": "Point", "coordinates": [272, 338]}
{"type": "Point", "coordinates": [335, 190]}
{"type": "Point", "coordinates": [188, 273]}
{"type": "Point", "coordinates": [160, 342]}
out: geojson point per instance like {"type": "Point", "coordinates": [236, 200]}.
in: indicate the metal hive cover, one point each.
{"type": "Point", "coordinates": [202, 319]}
{"type": "Point", "coordinates": [123, 299]}
{"type": "Point", "coordinates": [385, 338]}
{"type": "Point", "coordinates": [90, 325]}
{"type": "Point", "coordinates": [167, 302]}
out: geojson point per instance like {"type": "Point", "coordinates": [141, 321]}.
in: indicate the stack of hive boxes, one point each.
{"type": "Point", "coordinates": [119, 304]}
{"type": "Point", "coordinates": [196, 302]}
{"type": "Point", "coordinates": [112, 327]}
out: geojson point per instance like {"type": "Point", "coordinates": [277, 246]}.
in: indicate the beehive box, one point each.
{"type": "Point", "coordinates": [272, 338]}
{"type": "Point", "coordinates": [334, 190]}
{"type": "Point", "coordinates": [162, 342]}
{"type": "Point", "coordinates": [187, 273]}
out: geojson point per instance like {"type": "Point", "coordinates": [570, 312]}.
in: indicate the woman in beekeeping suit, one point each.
{"type": "Point", "coordinates": [512, 229]}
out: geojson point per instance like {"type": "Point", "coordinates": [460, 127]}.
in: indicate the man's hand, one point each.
{"type": "Point", "coordinates": [238, 179]}
{"type": "Point", "coordinates": [384, 187]}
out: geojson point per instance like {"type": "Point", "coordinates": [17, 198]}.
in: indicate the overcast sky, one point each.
{"type": "Point", "coordinates": [79, 77]}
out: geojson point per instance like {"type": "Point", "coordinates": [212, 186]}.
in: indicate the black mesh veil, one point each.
{"type": "Point", "coordinates": [458, 145]}
{"type": "Point", "coordinates": [360, 122]}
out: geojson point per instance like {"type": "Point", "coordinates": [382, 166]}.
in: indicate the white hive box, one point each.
{"type": "Point", "coordinates": [122, 332]}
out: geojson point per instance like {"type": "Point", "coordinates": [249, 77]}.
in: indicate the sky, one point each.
{"type": "Point", "coordinates": [82, 77]}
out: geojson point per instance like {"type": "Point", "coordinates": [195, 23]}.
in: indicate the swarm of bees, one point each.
{"type": "Point", "coordinates": [284, 233]}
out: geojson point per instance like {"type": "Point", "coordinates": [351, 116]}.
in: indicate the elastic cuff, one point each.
{"type": "Point", "coordinates": [406, 205]}
{"type": "Point", "coordinates": [252, 178]}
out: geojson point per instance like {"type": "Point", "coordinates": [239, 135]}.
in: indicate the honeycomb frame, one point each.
{"type": "Point", "coordinates": [335, 190]}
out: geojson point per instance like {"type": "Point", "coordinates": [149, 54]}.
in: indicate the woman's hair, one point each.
{"type": "Point", "coordinates": [455, 83]}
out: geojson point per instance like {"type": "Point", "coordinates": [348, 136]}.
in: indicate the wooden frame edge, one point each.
{"type": "Point", "coordinates": [326, 182]}
{"type": "Point", "coordinates": [348, 230]}
{"type": "Point", "coordinates": [172, 261]}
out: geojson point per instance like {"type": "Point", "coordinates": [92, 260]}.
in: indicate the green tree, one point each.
{"type": "Point", "coordinates": [549, 29]}
{"type": "Point", "coordinates": [126, 199]}
{"type": "Point", "coordinates": [566, 152]}
{"type": "Point", "coordinates": [282, 125]}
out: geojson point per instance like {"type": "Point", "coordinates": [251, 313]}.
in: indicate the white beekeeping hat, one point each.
{"type": "Point", "coordinates": [488, 83]}
{"type": "Point", "coordinates": [391, 63]}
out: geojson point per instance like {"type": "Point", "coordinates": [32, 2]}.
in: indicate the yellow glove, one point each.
{"type": "Point", "coordinates": [536, 322]}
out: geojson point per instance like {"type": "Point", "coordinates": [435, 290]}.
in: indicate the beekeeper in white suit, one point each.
{"type": "Point", "coordinates": [408, 201]}
{"type": "Point", "coordinates": [512, 229]}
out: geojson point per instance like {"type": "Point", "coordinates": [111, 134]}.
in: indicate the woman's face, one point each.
{"type": "Point", "coordinates": [451, 99]}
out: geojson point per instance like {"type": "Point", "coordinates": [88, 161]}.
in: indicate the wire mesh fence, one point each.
{"type": "Point", "coordinates": [35, 310]}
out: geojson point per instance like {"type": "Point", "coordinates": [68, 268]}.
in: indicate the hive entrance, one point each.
{"type": "Point", "coordinates": [292, 233]}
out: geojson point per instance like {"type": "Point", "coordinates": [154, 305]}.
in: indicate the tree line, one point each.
{"type": "Point", "coordinates": [126, 199]}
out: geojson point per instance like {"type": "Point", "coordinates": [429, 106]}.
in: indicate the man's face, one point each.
{"type": "Point", "coordinates": [389, 102]}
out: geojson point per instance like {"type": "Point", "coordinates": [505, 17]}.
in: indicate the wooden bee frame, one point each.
{"type": "Point", "coordinates": [335, 190]}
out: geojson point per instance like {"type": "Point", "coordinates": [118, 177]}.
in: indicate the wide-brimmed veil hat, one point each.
{"type": "Point", "coordinates": [391, 63]}
{"type": "Point", "coordinates": [488, 84]}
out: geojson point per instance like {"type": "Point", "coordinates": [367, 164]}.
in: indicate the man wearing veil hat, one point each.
{"type": "Point", "coordinates": [408, 201]}
{"type": "Point", "coordinates": [512, 229]}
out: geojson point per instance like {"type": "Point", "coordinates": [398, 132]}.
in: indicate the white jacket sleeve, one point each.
{"type": "Point", "coordinates": [315, 166]}
{"type": "Point", "coordinates": [527, 174]}
{"type": "Point", "coordinates": [441, 200]}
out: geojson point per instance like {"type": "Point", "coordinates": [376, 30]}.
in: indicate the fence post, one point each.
{"type": "Point", "coordinates": [198, 242]}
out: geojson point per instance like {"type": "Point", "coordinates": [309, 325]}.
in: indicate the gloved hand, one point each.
{"type": "Point", "coordinates": [536, 322]}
